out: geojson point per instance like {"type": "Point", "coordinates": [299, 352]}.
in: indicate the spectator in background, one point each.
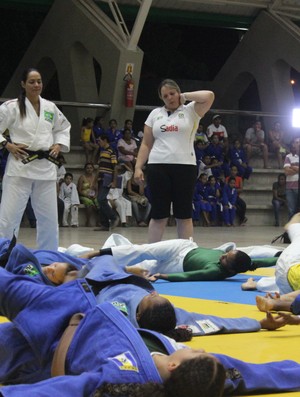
{"type": "Point", "coordinates": [216, 150]}
{"type": "Point", "coordinates": [279, 196]}
{"type": "Point", "coordinates": [229, 198]}
{"type": "Point", "coordinates": [201, 205]}
{"type": "Point", "coordinates": [140, 204]}
{"type": "Point", "coordinates": [114, 134]}
{"type": "Point", "coordinates": [205, 165]}
{"type": "Point", "coordinates": [127, 149]}
{"type": "Point", "coordinates": [240, 203]}
{"type": "Point", "coordinates": [87, 187]}
{"type": "Point", "coordinates": [98, 128]}
{"type": "Point", "coordinates": [238, 158]}
{"type": "Point", "coordinates": [107, 179]}
{"type": "Point", "coordinates": [291, 170]}
{"type": "Point", "coordinates": [276, 144]}
{"type": "Point", "coordinates": [201, 137]}
{"type": "Point", "coordinates": [61, 171]}
{"type": "Point", "coordinates": [116, 198]}
{"type": "Point", "coordinates": [255, 142]}
{"type": "Point", "coordinates": [128, 125]}
{"type": "Point", "coordinates": [88, 140]}
{"type": "Point", "coordinates": [213, 195]}
{"type": "Point", "coordinates": [216, 128]}
{"type": "Point", "coordinates": [68, 193]}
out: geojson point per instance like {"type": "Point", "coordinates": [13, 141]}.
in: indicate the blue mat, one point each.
{"type": "Point", "coordinates": [228, 290]}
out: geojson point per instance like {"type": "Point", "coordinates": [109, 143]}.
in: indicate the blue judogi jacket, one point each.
{"type": "Point", "coordinates": [111, 283]}
{"type": "Point", "coordinates": [30, 262]}
{"type": "Point", "coordinates": [126, 291]}
{"type": "Point", "coordinates": [107, 348]}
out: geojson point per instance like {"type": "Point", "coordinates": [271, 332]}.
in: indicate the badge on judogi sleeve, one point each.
{"type": "Point", "coordinates": [125, 362]}
{"type": "Point", "coordinates": [207, 326]}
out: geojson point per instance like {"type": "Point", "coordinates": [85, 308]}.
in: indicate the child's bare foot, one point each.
{"type": "Point", "coordinates": [267, 304]}
{"type": "Point", "coordinates": [264, 304]}
{"type": "Point", "coordinates": [249, 285]}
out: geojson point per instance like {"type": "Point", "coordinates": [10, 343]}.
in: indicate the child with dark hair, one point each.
{"type": "Point", "coordinates": [114, 134]}
{"type": "Point", "coordinates": [69, 194]}
{"type": "Point", "coordinates": [98, 128]}
{"type": "Point", "coordinates": [240, 204]}
{"type": "Point", "coordinates": [200, 204]}
{"type": "Point", "coordinates": [213, 194]}
{"type": "Point", "coordinates": [101, 352]}
{"type": "Point", "coordinates": [229, 196]}
{"type": "Point", "coordinates": [107, 178]}
{"type": "Point", "coordinates": [216, 150]}
{"type": "Point", "coordinates": [238, 158]}
{"type": "Point", "coordinates": [88, 140]}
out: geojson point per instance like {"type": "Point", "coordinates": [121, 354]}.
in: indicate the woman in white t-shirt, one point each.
{"type": "Point", "coordinates": [169, 134]}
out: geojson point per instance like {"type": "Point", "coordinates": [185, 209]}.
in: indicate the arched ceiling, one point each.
{"type": "Point", "coordinates": [236, 8]}
{"type": "Point", "coordinates": [238, 11]}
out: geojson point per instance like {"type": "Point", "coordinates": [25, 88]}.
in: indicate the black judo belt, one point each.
{"type": "Point", "coordinates": [39, 155]}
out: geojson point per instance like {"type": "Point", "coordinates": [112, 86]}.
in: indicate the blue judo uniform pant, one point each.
{"type": "Point", "coordinates": [41, 313]}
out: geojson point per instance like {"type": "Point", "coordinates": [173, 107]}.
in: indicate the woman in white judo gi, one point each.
{"type": "Point", "coordinates": [38, 133]}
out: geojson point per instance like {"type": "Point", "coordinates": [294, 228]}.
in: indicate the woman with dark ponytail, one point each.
{"type": "Point", "coordinates": [38, 133]}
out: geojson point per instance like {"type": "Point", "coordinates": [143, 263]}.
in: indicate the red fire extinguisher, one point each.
{"type": "Point", "coordinates": [129, 91]}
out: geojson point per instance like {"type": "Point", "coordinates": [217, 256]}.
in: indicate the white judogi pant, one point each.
{"type": "Point", "coordinates": [73, 210]}
{"type": "Point", "coordinates": [161, 257]}
{"type": "Point", "coordinates": [167, 256]}
{"type": "Point", "coordinates": [15, 195]}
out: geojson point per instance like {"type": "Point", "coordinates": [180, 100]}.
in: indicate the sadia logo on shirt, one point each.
{"type": "Point", "coordinates": [169, 128]}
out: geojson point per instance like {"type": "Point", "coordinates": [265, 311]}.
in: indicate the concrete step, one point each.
{"type": "Point", "coordinates": [262, 215]}
{"type": "Point", "coordinates": [257, 196]}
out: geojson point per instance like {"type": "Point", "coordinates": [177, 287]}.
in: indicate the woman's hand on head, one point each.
{"type": "Point", "coordinates": [182, 99]}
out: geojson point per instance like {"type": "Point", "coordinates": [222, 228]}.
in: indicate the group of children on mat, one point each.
{"type": "Point", "coordinates": [111, 350]}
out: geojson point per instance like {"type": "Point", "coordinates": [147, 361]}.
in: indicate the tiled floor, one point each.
{"type": "Point", "coordinates": [204, 236]}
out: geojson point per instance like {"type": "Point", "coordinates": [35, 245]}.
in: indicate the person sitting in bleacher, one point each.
{"type": "Point", "coordinates": [237, 157]}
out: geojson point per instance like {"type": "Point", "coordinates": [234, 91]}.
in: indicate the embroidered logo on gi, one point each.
{"type": "Point", "coordinates": [168, 128]}
{"type": "Point", "coordinates": [48, 116]}
{"type": "Point", "coordinates": [125, 362]}
{"type": "Point", "coordinates": [121, 306]}
{"type": "Point", "coordinates": [30, 270]}
{"type": "Point", "coordinates": [233, 373]}
{"type": "Point", "coordinates": [181, 115]}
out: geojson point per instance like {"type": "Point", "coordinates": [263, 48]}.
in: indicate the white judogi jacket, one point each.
{"type": "Point", "coordinates": [38, 132]}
